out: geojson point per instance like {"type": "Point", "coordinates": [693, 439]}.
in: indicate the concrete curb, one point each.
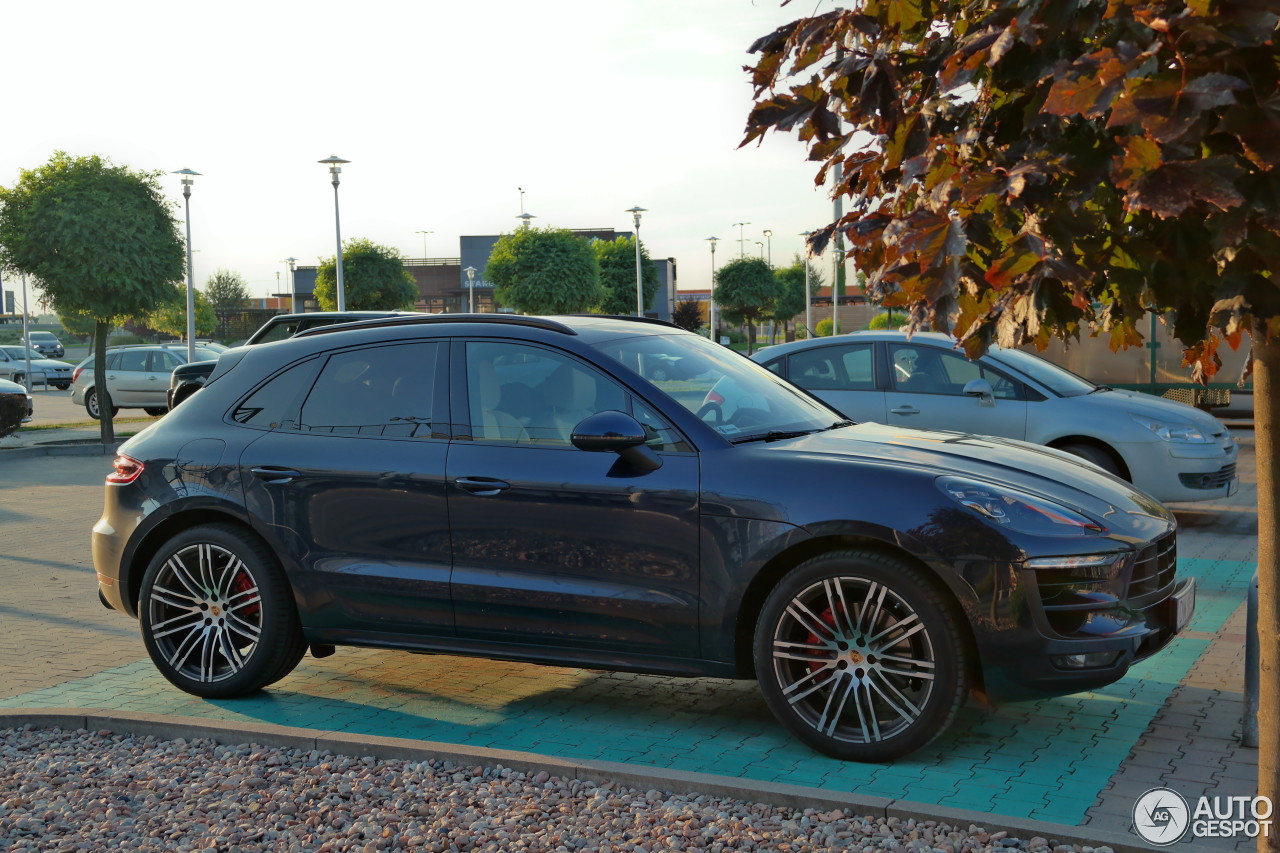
{"type": "Point", "coordinates": [71, 448]}
{"type": "Point", "coordinates": [662, 779]}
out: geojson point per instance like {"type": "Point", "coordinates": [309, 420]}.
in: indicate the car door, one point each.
{"type": "Point", "coordinates": [555, 546]}
{"type": "Point", "coordinates": [127, 377]}
{"type": "Point", "coordinates": [159, 369]}
{"type": "Point", "coordinates": [349, 477]}
{"type": "Point", "coordinates": [842, 375]}
{"type": "Point", "coordinates": [928, 393]}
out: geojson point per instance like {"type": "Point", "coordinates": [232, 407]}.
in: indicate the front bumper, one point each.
{"type": "Point", "coordinates": [1082, 633]}
{"type": "Point", "coordinates": [1173, 472]}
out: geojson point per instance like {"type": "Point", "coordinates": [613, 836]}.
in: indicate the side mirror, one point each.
{"type": "Point", "coordinates": [619, 433]}
{"type": "Point", "coordinates": [981, 389]}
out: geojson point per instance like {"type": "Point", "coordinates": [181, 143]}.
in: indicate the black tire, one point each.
{"type": "Point", "coordinates": [1097, 456]}
{"type": "Point", "coordinates": [156, 411]}
{"type": "Point", "coordinates": [91, 405]}
{"type": "Point", "coordinates": [873, 688]}
{"type": "Point", "coordinates": [217, 614]}
{"type": "Point", "coordinates": [62, 386]}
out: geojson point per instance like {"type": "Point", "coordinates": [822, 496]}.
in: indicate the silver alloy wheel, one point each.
{"type": "Point", "coordinates": [854, 660]}
{"type": "Point", "coordinates": [205, 613]}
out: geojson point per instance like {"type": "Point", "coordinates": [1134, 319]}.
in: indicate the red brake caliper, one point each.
{"type": "Point", "coordinates": [243, 583]}
{"type": "Point", "coordinates": [829, 617]}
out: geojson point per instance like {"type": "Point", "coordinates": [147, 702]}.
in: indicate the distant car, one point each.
{"type": "Point", "coordinates": [45, 343]}
{"type": "Point", "coordinates": [516, 487]}
{"type": "Point", "coordinates": [190, 378]}
{"type": "Point", "coordinates": [137, 377]}
{"type": "Point", "coordinates": [1170, 450]}
{"type": "Point", "coordinates": [13, 366]}
{"type": "Point", "coordinates": [16, 406]}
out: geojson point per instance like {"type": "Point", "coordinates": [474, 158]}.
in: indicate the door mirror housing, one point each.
{"type": "Point", "coordinates": [981, 389]}
{"type": "Point", "coordinates": [619, 433]}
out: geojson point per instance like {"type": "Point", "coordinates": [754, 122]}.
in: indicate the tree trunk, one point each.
{"type": "Point", "coordinates": [1266, 417]}
{"type": "Point", "coordinates": [106, 426]}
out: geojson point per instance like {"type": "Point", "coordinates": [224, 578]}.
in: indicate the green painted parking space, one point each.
{"type": "Point", "coordinates": [1044, 760]}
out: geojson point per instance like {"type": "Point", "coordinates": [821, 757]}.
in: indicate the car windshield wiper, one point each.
{"type": "Point", "coordinates": [839, 424]}
{"type": "Point", "coordinates": [774, 435]}
{"type": "Point", "coordinates": [1101, 388]}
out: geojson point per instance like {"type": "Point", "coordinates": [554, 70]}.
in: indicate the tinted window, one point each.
{"type": "Point", "coordinates": [386, 391]}
{"type": "Point", "coordinates": [131, 359]}
{"type": "Point", "coordinates": [927, 370]}
{"type": "Point", "coordinates": [278, 332]}
{"type": "Point", "coordinates": [163, 361]}
{"type": "Point", "coordinates": [275, 405]}
{"type": "Point", "coordinates": [834, 368]}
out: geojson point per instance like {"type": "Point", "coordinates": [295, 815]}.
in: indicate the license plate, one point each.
{"type": "Point", "coordinates": [1185, 599]}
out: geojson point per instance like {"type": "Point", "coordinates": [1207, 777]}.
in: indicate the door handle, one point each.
{"type": "Point", "coordinates": [272, 474]}
{"type": "Point", "coordinates": [905, 410]}
{"type": "Point", "coordinates": [482, 486]}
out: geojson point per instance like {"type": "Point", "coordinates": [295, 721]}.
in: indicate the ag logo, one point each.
{"type": "Point", "coordinates": [1161, 816]}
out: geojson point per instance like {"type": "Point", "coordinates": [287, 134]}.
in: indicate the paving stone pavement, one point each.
{"type": "Point", "coordinates": [1079, 760]}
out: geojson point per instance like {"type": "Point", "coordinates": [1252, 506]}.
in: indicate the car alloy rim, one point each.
{"type": "Point", "coordinates": [854, 660]}
{"type": "Point", "coordinates": [206, 613]}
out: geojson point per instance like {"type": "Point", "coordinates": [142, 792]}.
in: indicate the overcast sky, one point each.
{"type": "Point", "coordinates": [443, 109]}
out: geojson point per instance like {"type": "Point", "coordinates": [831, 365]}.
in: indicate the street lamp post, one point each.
{"type": "Point", "coordinates": [293, 290]}
{"type": "Point", "coordinates": [760, 249]}
{"type": "Point", "coordinates": [424, 242]}
{"type": "Point", "coordinates": [711, 295]}
{"type": "Point", "coordinates": [742, 241]}
{"type": "Point", "coordinates": [635, 215]}
{"type": "Point", "coordinates": [188, 178]}
{"type": "Point", "coordinates": [26, 337]}
{"type": "Point", "coordinates": [471, 289]}
{"type": "Point", "coordinates": [768, 237]}
{"type": "Point", "coordinates": [525, 217]}
{"type": "Point", "coordinates": [335, 168]}
{"type": "Point", "coordinates": [808, 298]}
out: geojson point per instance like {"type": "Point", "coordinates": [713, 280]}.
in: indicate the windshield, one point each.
{"type": "Point", "coordinates": [737, 397]}
{"type": "Point", "coordinates": [20, 353]}
{"type": "Point", "coordinates": [1057, 379]}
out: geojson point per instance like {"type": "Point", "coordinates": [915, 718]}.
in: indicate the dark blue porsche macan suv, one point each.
{"type": "Point", "coordinates": [619, 494]}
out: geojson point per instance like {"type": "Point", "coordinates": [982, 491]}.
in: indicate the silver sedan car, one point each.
{"type": "Point", "coordinates": [1170, 450]}
{"type": "Point", "coordinates": [13, 366]}
{"type": "Point", "coordinates": [137, 377]}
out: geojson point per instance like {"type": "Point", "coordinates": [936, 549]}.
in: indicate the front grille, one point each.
{"type": "Point", "coordinates": [1216, 480]}
{"type": "Point", "coordinates": [1155, 567]}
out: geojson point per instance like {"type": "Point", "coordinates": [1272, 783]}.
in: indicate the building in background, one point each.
{"type": "Point", "coordinates": [443, 286]}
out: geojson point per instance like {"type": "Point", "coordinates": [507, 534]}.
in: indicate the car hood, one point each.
{"type": "Point", "coordinates": [1150, 406]}
{"type": "Point", "coordinates": [1051, 473]}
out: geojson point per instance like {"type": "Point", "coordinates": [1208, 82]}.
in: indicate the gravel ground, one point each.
{"type": "Point", "coordinates": [68, 791]}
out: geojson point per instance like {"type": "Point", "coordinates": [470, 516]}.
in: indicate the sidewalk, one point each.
{"type": "Point", "coordinates": [1066, 768]}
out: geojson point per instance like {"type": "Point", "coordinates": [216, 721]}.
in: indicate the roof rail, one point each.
{"type": "Point", "coordinates": [633, 318]}
{"type": "Point", "coordinates": [431, 319]}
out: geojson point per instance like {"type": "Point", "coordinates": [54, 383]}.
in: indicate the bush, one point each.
{"type": "Point", "coordinates": [887, 320]}
{"type": "Point", "coordinates": [118, 340]}
{"type": "Point", "coordinates": [822, 328]}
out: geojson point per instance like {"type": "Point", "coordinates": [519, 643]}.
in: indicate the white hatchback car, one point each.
{"type": "Point", "coordinates": [1172, 451]}
{"type": "Point", "coordinates": [137, 377]}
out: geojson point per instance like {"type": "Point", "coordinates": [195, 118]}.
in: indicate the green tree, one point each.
{"type": "Point", "coordinates": [373, 277]}
{"type": "Point", "coordinates": [792, 301]}
{"type": "Point", "coordinates": [101, 239]}
{"type": "Point", "coordinates": [617, 260]}
{"type": "Point", "coordinates": [77, 323]}
{"type": "Point", "coordinates": [171, 317]}
{"type": "Point", "coordinates": [688, 314]}
{"type": "Point", "coordinates": [746, 289]}
{"type": "Point", "coordinates": [545, 271]}
{"type": "Point", "coordinates": [1043, 168]}
{"type": "Point", "coordinates": [227, 293]}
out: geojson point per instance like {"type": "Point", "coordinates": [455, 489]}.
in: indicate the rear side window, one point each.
{"type": "Point", "coordinates": [133, 359]}
{"type": "Point", "coordinates": [386, 391]}
{"type": "Point", "coordinates": [833, 368]}
{"type": "Point", "coordinates": [278, 332]}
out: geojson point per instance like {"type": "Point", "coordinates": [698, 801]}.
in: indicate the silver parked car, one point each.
{"type": "Point", "coordinates": [1172, 451]}
{"type": "Point", "coordinates": [13, 366]}
{"type": "Point", "coordinates": [137, 377]}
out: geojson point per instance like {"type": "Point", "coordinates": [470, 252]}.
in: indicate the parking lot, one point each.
{"type": "Point", "coordinates": [1077, 760]}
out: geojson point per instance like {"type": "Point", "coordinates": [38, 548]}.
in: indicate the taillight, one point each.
{"type": "Point", "coordinates": [127, 469]}
{"type": "Point", "coordinates": [75, 374]}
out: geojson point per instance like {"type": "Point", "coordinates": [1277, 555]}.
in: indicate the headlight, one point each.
{"type": "Point", "coordinates": [1018, 510]}
{"type": "Point", "coordinates": [1183, 432]}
